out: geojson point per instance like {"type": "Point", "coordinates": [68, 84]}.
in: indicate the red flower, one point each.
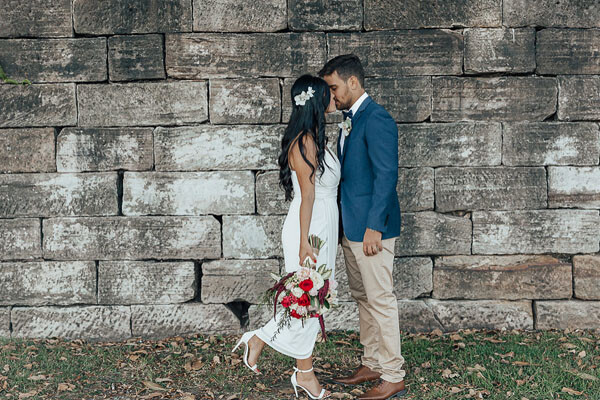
{"type": "Point", "coordinates": [306, 285]}
{"type": "Point", "coordinates": [304, 300]}
{"type": "Point", "coordinates": [286, 302]}
{"type": "Point", "coordinates": [294, 314]}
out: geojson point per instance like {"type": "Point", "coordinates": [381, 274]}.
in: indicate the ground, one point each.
{"type": "Point", "coordinates": [466, 364]}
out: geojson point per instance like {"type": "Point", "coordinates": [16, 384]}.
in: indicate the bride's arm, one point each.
{"type": "Point", "coordinates": [307, 187]}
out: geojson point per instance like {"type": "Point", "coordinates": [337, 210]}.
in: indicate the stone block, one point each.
{"type": "Point", "coordinates": [579, 98]}
{"type": "Point", "coordinates": [251, 147]}
{"type": "Point", "coordinates": [586, 277]}
{"type": "Point", "coordinates": [132, 238]}
{"type": "Point", "coordinates": [27, 150]}
{"type": "Point", "coordinates": [501, 277]}
{"type": "Point", "coordinates": [407, 99]}
{"type": "Point", "coordinates": [240, 15]}
{"type": "Point", "coordinates": [132, 57]}
{"type": "Point", "coordinates": [535, 231]}
{"type": "Point", "coordinates": [225, 281]}
{"type": "Point", "coordinates": [188, 193]}
{"type": "Point", "coordinates": [270, 198]}
{"type": "Point", "coordinates": [490, 188]}
{"type": "Point", "coordinates": [415, 14]}
{"type": "Point", "coordinates": [550, 143]}
{"type": "Point", "coordinates": [147, 104]}
{"type": "Point", "coordinates": [508, 98]}
{"type": "Point", "coordinates": [567, 51]}
{"type": "Point", "coordinates": [47, 283]}
{"type": "Point", "coordinates": [38, 105]}
{"type": "Point", "coordinates": [455, 144]}
{"type": "Point", "coordinates": [546, 13]}
{"type": "Point", "coordinates": [146, 282]}
{"type": "Point", "coordinates": [54, 60]}
{"type": "Point", "coordinates": [252, 236]}
{"type": "Point", "coordinates": [20, 239]}
{"type": "Point", "coordinates": [96, 323]}
{"type": "Point", "coordinates": [36, 18]}
{"type": "Point", "coordinates": [4, 322]}
{"type": "Point", "coordinates": [574, 187]}
{"type": "Point", "coordinates": [53, 194]}
{"type": "Point", "coordinates": [415, 189]}
{"type": "Point", "coordinates": [567, 314]}
{"type": "Point", "coordinates": [412, 277]}
{"type": "Point", "coordinates": [160, 321]}
{"type": "Point", "coordinates": [430, 233]}
{"type": "Point", "coordinates": [405, 52]}
{"type": "Point", "coordinates": [325, 15]}
{"type": "Point", "coordinates": [454, 315]}
{"type": "Point", "coordinates": [506, 50]}
{"type": "Point", "coordinates": [217, 55]}
{"type": "Point", "coordinates": [131, 16]}
{"type": "Point", "coordinates": [104, 149]}
{"type": "Point", "coordinates": [413, 315]}
{"type": "Point", "coordinates": [245, 101]}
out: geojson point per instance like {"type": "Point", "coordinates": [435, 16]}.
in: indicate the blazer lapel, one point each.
{"type": "Point", "coordinates": [354, 120]}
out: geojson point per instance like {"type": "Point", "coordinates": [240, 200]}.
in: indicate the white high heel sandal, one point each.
{"type": "Point", "coordinates": [244, 339]}
{"type": "Point", "coordinates": [295, 385]}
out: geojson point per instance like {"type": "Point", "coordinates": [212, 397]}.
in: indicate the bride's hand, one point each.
{"type": "Point", "coordinates": [306, 250]}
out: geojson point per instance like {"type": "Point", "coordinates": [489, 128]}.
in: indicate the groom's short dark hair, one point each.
{"type": "Point", "coordinates": [346, 66]}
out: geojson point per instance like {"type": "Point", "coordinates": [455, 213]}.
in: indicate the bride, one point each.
{"type": "Point", "coordinates": [311, 172]}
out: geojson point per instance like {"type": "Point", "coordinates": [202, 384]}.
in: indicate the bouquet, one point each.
{"type": "Point", "coordinates": [305, 293]}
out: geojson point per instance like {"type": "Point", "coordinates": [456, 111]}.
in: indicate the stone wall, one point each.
{"type": "Point", "coordinates": [138, 175]}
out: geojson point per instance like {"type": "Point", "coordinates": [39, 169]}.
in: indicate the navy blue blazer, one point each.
{"type": "Point", "coordinates": [369, 176]}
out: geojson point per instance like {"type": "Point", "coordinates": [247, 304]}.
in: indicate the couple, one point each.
{"type": "Point", "coordinates": [366, 170]}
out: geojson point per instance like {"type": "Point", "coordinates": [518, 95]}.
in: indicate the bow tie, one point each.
{"type": "Point", "coordinates": [347, 114]}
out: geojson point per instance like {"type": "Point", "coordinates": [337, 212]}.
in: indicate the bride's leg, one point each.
{"type": "Point", "coordinates": [308, 379]}
{"type": "Point", "coordinates": [255, 347]}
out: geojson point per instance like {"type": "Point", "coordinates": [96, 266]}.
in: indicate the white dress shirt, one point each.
{"type": "Point", "coordinates": [354, 109]}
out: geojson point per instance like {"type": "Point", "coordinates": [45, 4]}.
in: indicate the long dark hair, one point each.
{"type": "Point", "coordinates": [307, 119]}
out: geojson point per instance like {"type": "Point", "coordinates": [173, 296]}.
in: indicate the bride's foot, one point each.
{"type": "Point", "coordinates": [309, 381]}
{"type": "Point", "coordinates": [255, 347]}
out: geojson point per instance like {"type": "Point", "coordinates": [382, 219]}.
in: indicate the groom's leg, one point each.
{"type": "Point", "coordinates": [368, 327]}
{"type": "Point", "coordinates": [377, 278]}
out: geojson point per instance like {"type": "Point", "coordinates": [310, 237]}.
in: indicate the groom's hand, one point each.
{"type": "Point", "coordinates": [372, 242]}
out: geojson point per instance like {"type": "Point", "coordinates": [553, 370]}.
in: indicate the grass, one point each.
{"type": "Point", "coordinates": [468, 364]}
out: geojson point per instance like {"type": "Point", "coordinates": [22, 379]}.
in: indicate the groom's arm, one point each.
{"type": "Point", "coordinates": [382, 148]}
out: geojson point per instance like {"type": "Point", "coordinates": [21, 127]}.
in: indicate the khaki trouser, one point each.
{"type": "Point", "coordinates": [371, 285]}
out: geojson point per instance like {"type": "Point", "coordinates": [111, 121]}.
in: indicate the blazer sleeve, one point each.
{"type": "Point", "coordinates": [382, 148]}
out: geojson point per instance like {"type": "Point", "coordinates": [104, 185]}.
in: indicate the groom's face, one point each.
{"type": "Point", "coordinates": [340, 91]}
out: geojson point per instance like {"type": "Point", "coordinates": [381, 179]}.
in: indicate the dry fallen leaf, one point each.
{"type": "Point", "coordinates": [153, 386]}
{"type": "Point", "coordinates": [27, 395]}
{"type": "Point", "coordinates": [583, 375]}
{"type": "Point", "coordinates": [571, 391]}
{"type": "Point", "coordinates": [582, 354]}
{"type": "Point", "coordinates": [65, 386]}
{"type": "Point", "coordinates": [37, 378]}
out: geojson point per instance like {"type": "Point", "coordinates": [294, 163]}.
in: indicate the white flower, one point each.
{"type": "Point", "coordinates": [304, 96]}
{"type": "Point", "coordinates": [303, 273]}
{"type": "Point", "coordinates": [317, 279]}
{"type": "Point", "coordinates": [314, 291]}
{"type": "Point", "coordinates": [296, 291]}
{"type": "Point", "coordinates": [302, 310]}
{"type": "Point", "coordinates": [346, 126]}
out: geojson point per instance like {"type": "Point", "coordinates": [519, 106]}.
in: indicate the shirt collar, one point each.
{"type": "Point", "coordinates": [358, 102]}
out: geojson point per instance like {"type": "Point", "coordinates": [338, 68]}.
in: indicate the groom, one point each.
{"type": "Point", "coordinates": [368, 151]}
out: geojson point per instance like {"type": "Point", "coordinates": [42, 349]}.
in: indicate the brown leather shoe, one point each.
{"type": "Point", "coordinates": [385, 390]}
{"type": "Point", "coordinates": [362, 374]}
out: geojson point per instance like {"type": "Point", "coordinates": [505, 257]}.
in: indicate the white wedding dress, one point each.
{"type": "Point", "coordinates": [298, 341]}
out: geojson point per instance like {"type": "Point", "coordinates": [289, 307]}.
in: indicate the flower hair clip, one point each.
{"type": "Point", "coordinates": [303, 96]}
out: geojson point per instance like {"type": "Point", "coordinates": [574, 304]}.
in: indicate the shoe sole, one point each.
{"type": "Point", "coordinates": [399, 394]}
